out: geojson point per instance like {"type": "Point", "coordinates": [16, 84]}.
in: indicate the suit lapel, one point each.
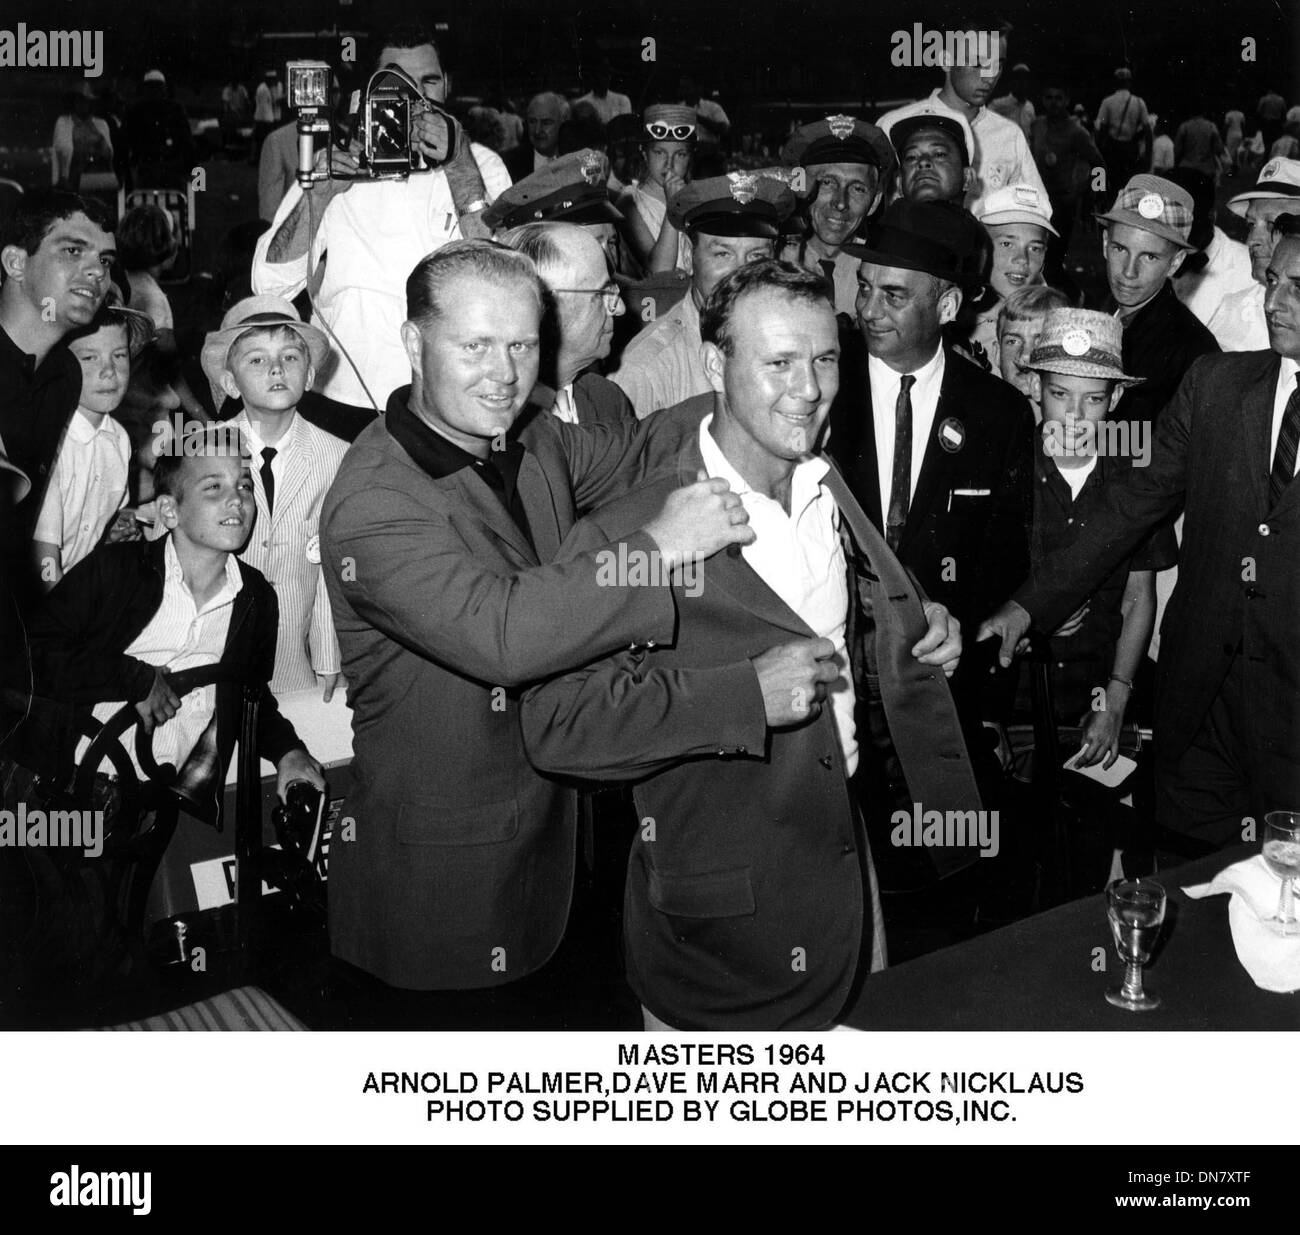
{"type": "Point", "coordinates": [540, 506]}
{"type": "Point", "coordinates": [298, 467]}
{"type": "Point", "coordinates": [729, 571]}
{"type": "Point", "coordinates": [1257, 417]}
{"type": "Point", "coordinates": [866, 467]}
{"type": "Point", "coordinates": [475, 495]}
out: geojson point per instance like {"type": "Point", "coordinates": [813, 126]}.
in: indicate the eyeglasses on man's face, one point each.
{"type": "Point", "coordinates": [611, 293]}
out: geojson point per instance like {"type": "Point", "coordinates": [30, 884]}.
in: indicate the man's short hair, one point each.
{"type": "Point", "coordinates": [36, 213]}
{"type": "Point", "coordinates": [145, 237]}
{"type": "Point", "coordinates": [403, 35]}
{"type": "Point", "coordinates": [541, 242]}
{"type": "Point", "coordinates": [207, 439]}
{"type": "Point", "coordinates": [768, 274]}
{"type": "Point", "coordinates": [485, 260]}
{"type": "Point", "coordinates": [1030, 303]}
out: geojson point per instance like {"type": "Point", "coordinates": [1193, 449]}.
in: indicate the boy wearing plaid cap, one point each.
{"type": "Point", "coordinates": [1144, 244]}
{"type": "Point", "coordinates": [1079, 380]}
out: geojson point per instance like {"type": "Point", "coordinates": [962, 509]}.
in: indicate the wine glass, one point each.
{"type": "Point", "coordinates": [1282, 857]}
{"type": "Point", "coordinates": [1136, 909]}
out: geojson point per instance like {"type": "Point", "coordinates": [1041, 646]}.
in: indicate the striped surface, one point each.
{"type": "Point", "coordinates": [246, 1007]}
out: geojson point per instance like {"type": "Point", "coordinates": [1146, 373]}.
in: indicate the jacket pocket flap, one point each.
{"type": "Point", "coordinates": [716, 894]}
{"type": "Point", "coordinates": [430, 823]}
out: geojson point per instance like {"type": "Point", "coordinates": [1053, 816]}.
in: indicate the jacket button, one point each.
{"type": "Point", "coordinates": [1264, 529]}
{"type": "Point", "coordinates": [846, 848]}
{"type": "Point", "coordinates": [742, 750]}
{"type": "Point", "coordinates": [826, 761]}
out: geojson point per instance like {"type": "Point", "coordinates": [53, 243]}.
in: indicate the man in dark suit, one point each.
{"type": "Point", "coordinates": [453, 868]}
{"type": "Point", "coordinates": [584, 302]}
{"type": "Point", "coordinates": [1228, 693]}
{"type": "Point", "coordinates": [1144, 244]}
{"type": "Point", "coordinates": [937, 452]}
{"type": "Point", "coordinates": [750, 900]}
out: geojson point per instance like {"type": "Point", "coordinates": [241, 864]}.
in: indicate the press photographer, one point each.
{"type": "Point", "coordinates": [375, 211]}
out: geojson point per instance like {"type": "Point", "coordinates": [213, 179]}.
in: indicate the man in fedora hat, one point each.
{"type": "Point", "coordinates": [847, 165]}
{"type": "Point", "coordinates": [1227, 727]}
{"type": "Point", "coordinates": [937, 451]}
{"type": "Point", "coordinates": [1145, 241]}
{"type": "Point", "coordinates": [728, 220]}
{"type": "Point", "coordinates": [266, 355]}
{"type": "Point", "coordinates": [1238, 323]}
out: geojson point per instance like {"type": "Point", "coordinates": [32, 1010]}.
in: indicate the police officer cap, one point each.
{"type": "Point", "coordinates": [570, 187]}
{"type": "Point", "coordinates": [738, 204]}
{"type": "Point", "coordinates": [838, 139]}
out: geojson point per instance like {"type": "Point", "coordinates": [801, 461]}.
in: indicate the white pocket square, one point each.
{"type": "Point", "coordinates": [971, 492]}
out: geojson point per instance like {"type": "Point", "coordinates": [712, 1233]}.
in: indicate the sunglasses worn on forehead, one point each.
{"type": "Point", "coordinates": [677, 132]}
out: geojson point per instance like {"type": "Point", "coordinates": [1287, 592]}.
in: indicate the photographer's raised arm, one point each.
{"type": "Point", "coordinates": [299, 217]}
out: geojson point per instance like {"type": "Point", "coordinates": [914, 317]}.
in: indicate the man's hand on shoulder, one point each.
{"type": "Point", "coordinates": [698, 520]}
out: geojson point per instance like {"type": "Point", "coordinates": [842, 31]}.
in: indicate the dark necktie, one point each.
{"type": "Point", "coordinates": [268, 478]}
{"type": "Point", "coordinates": [900, 489]}
{"type": "Point", "coordinates": [1284, 455]}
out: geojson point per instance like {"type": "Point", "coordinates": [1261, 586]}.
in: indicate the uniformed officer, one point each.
{"type": "Point", "coordinates": [729, 220]}
{"type": "Point", "coordinates": [571, 187]}
{"type": "Point", "coordinates": [847, 164]}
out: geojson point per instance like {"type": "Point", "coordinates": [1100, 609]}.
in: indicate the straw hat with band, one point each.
{"type": "Point", "coordinates": [249, 314]}
{"type": "Point", "coordinates": [1081, 343]}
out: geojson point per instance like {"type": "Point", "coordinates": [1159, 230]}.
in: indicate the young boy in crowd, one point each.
{"type": "Point", "coordinates": [88, 483]}
{"type": "Point", "coordinates": [1020, 321]}
{"type": "Point", "coordinates": [1079, 379]}
{"type": "Point", "coordinates": [130, 615]}
{"type": "Point", "coordinates": [1018, 220]}
{"type": "Point", "coordinates": [267, 356]}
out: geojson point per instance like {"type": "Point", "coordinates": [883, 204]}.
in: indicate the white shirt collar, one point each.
{"type": "Point", "coordinates": [805, 480]}
{"type": "Point", "coordinates": [172, 572]}
{"type": "Point", "coordinates": [81, 430]}
{"type": "Point", "coordinates": [882, 374]}
{"type": "Point", "coordinates": [255, 443]}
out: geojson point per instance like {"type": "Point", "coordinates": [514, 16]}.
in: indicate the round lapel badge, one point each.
{"type": "Point", "coordinates": [313, 550]}
{"type": "Point", "coordinates": [952, 436]}
{"type": "Point", "coordinates": [1076, 342]}
{"type": "Point", "coordinates": [1152, 206]}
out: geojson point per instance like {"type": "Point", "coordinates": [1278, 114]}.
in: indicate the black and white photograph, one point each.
{"type": "Point", "coordinates": [647, 572]}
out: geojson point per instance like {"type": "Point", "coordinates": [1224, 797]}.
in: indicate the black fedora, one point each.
{"type": "Point", "coordinates": [936, 238]}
